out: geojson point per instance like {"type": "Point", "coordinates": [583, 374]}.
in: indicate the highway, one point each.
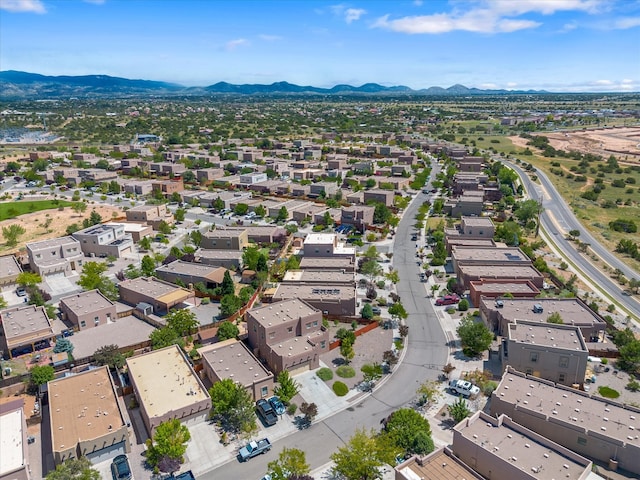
{"type": "Point", "coordinates": [557, 219]}
{"type": "Point", "coordinates": [426, 354]}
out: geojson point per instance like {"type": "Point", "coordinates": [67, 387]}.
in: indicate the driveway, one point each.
{"type": "Point", "coordinates": [59, 284]}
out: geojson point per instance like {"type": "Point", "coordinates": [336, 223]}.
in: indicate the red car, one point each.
{"type": "Point", "coordinates": [448, 300]}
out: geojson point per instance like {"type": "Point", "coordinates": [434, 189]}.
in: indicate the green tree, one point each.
{"type": "Point", "coordinates": [283, 214]}
{"type": "Point", "coordinates": [63, 345]}
{"type": "Point", "coordinates": [145, 243]}
{"type": "Point", "coordinates": [230, 304]}
{"type": "Point", "coordinates": [260, 211]}
{"type": "Point", "coordinates": [164, 228]}
{"type": "Point", "coordinates": [347, 351]}
{"type": "Point", "coordinates": [381, 214]}
{"type": "Point", "coordinates": [79, 207]}
{"type": "Point", "coordinates": [463, 305]}
{"type": "Point", "coordinates": [398, 312]}
{"type": "Point", "coordinates": [291, 461]}
{"type": "Point", "coordinates": [573, 234]}
{"type": "Point", "coordinates": [527, 210]}
{"type": "Point", "coordinates": [227, 287]}
{"type": "Point", "coordinates": [241, 209]}
{"type": "Point", "coordinates": [93, 278]}
{"type": "Point", "coordinates": [218, 204]}
{"type": "Point", "coordinates": [474, 336]}
{"type": "Point", "coordinates": [228, 330]}
{"type": "Point", "coordinates": [74, 469]}
{"type": "Point", "coordinates": [371, 269]}
{"type": "Point", "coordinates": [429, 391]}
{"type": "Point", "coordinates": [361, 457]}
{"type": "Point", "coordinates": [371, 253]}
{"type": "Point", "coordinates": [262, 265]}
{"type": "Point", "coordinates": [459, 410]}
{"type": "Point", "coordinates": [183, 321]}
{"type": "Point", "coordinates": [630, 356]}
{"type": "Point", "coordinates": [109, 355]}
{"type": "Point", "coordinates": [250, 257]}
{"type": "Point", "coordinates": [12, 233]}
{"type": "Point", "coordinates": [179, 214]}
{"type": "Point", "coordinates": [148, 266]}
{"type": "Point", "coordinates": [367, 311]}
{"type": "Point", "coordinates": [410, 431]}
{"type": "Point", "coordinates": [371, 372]}
{"type": "Point", "coordinates": [169, 441]}
{"type": "Point", "coordinates": [165, 336]}
{"type": "Point", "coordinates": [555, 318]}
{"type": "Point", "coordinates": [95, 218]}
{"type": "Point", "coordinates": [287, 387]}
{"type": "Point", "coordinates": [41, 374]}
{"type": "Point", "coordinates": [233, 406]}
{"type": "Point", "coordinates": [196, 237]}
{"type": "Point", "coordinates": [28, 279]}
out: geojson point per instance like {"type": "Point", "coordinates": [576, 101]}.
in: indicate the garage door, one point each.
{"type": "Point", "coordinates": [106, 453]}
{"type": "Point", "coordinates": [125, 251]}
{"type": "Point", "coordinates": [300, 369]}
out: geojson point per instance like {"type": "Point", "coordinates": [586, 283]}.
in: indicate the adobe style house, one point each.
{"type": "Point", "coordinates": [326, 245]}
{"type": "Point", "coordinates": [160, 295]}
{"type": "Point", "coordinates": [469, 273]}
{"type": "Point", "coordinates": [500, 448]}
{"type": "Point", "coordinates": [24, 329]}
{"type": "Point", "coordinates": [553, 352]}
{"type": "Point", "coordinates": [223, 239]}
{"type": "Point", "coordinates": [287, 335]}
{"type": "Point", "coordinates": [479, 289]}
{"type": "Point", "coordinates": [379, 196]}
{"type": "Point", "coordinates": [337, 300]}
{"type": "Point", "coordinates": [57, 255]}
{"type": "Point", "coordinates": [167, 387]}
{"type": "Point", "coordinates": [88, 309]}
{"type": "Point", "coordinates": [86, 420]}
{"type": "Point", "coordinates": [441, 463]}
{"type": "Point", "coordinates": [14, 463]}
{"type": "Point", "coordinates": [150, 214]}
{"type": "Point", "coordinates": [492, 256]}
{"type": "Point", "coordinates": [9, 270]}
{"type": "Point", "coordinates": [232, 359]}
{"type": "Point", "coordinates": [104, 240]}
{"type": "Point", "coordinates": [168, 187]}
{"type": "Point", "coordinates": [229, 259]}
{"type": "Point", "coordinates": [473, 227]}
{"type": "Point", "coordinates": [185, 273]}
{"type": "Point", "coordinates": [358, 216]}
{"type": "Point", "coordinates": [328, 263]}
{"type": "Point", "coordinates": [597, 428]}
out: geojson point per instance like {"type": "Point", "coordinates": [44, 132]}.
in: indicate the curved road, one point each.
{"type": "Point", "coordinates": [426, 353]}
{"type": "Point", "coordinates": [557, 219]}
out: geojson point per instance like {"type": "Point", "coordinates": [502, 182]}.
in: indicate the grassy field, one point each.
{"type": "Point", "coordinates": [15, 209]}
{"type": "Point", "coordinates": [623, 202]}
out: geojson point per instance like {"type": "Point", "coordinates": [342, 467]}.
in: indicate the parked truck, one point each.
{"type": "Point", "coordinates": [254, 448]}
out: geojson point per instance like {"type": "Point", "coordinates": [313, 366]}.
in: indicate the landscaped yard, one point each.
{"type": "Point", "coordinates": [15, 209]}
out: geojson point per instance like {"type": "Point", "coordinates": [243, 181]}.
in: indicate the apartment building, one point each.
{"type": "Point", "coordinates": [86, 417]}
{"type": "Point", "coordinates": [9, 270]}
{"type": "Point", "coordinates": [553, 352]}
{"type": "Point", "coordinates": [57, 255]}
{"type": "Point", "coordinates": [231, 359]}
{"type": "Point", "coordinates": [166, 388]}
{"type": "Point", "coordinates": [14, 462]}
{"type": "Point", "coordinates": [225, 239]}
{"type": "Point", "coordinates": [88, 309]}
{"type": "Point", "coordinates": [104, 240]}
{"type": "Point", "coordinates": [597, 428]}
{"type": "Point", "coordinates": [189, 273]}
{"type": "Point", "coordinates": [288, 335]}
{"type": "Point", "coordinates": [326, 245]}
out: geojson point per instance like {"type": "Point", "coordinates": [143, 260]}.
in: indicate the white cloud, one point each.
{"type": "Point", "coordinates": [486, 16]}
{"type": "Point", "coordinates": [20, 6]}
{"type": "Point", "coordinates": [627, 22]}
{"type": "Point", "coordinates": [349, 14]}
{"type": "Point", "coordinates": [488, 86]}
{"type": "Point", "coordinates": [512, 84]}
{"type": "Point", "coordinates": [269, 38]}
{"type": "Point", "coordinates": [603, 82]}
{"type": "Point", "coordinates": [567, 27]}
{"type": "Point", "coordinates": [239, 42]}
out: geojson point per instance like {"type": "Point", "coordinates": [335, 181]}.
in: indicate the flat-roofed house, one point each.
{"type": "Point", "coordinates": [379, 196]}
{"type": "Point", "coordinates": [9, 270]}
{"type": "Point", "coordinates": [328, 263]}
{"type": "Point", "coordinates": [233, 360]}
{"type": "Point", "coordinates": [498, 288]}
{"type": "Point", "coordinates": [56, 255]}
{"type": "Point", "coordinates": [598, 428]}
{"type": "Point", "coordinates": [150, 214]}
{"type": "Point", "coordinates": [572, 311]}
{"type": "Point", "coordinates": [459, 241]}
{"type": "Point", "coordinates": [335, 300]}
{"type": "Point", "coordinates": [229, 259]}
{"type": "Point", "coordinates": [223, 239]}
{"type": "Point", "coordinates": [14, 453]}
{"type": "Point", "coordinates": [86, 417]}
{"type": "Point", "coordinates": [326, 245]}
{"type": "Point", "coordinates": [288, 335]}
{"type": "Point", "coordinates": [317, 277]}
{"type": "Point", "coordinates": [25, 329]}
{"type": "Point", "coordinates": [157, 293]}
{"type": "Point", "coordinates": [358, 216]}
{"type": "Point", "coordinates": [168, 187]}
{"type": "Point", "coordinates": [500, 448]}
{"type": "Point", "coordinates": [167, 387]}
{"type": "Point", "coordinates": [441, 464]}
{"type": "Point", "coordinates": [492, 256]}
{"type": "Point", "coordinates": [105, 240]}
{"type": "Point", "coordinates": [191, 273]}
{"type": "Point", "coordinates": [550, 351]}
{"type": "Point", "coordinates": [468, 273]}
{"type": "Point", "coordinates": [88, 309]}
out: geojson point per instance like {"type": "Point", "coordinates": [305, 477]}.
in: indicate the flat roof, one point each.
{"type": "Point", "coordinates": [131, 226]}
{"type": "Point", "coordinates": [25, 324]}
{"type": "Point", "coordinates": [521, 448]}
{"type": "Point", "coordinates": [322, 238]}
{"type": "Point", "coordinates": [52, 242]}
{"type": "Point", "coordinates": [85, 302]}
{"type": "Point", "coordinates": [477, 221]}
{"type": "Point", "coordinates": [549, 334]}
{"type": "Point", "coordinates": [488, 286]}
{"type": "Point", "coordinates": [439, 465]}
{"type": "Point", "coordinates": [143, 208]}
{"type": "Point", "coordinates": [500, 271]}
{"type": "Point", "coordinates": [196, 269]}
{"type": "Point", "coordinates": [11, 441]}
{"type": "Point", "coordinates": [488, 254]}
{"type": "Point", "coordinates": [282, 312]}
{"type": "Point", "coordinates": [326, 263]}
{"type": "Point", "coordinates": [9, 266]}
{"type": "Point", "coordinates": [151, 287]}
{"type": "Point", "coordinates": [315, 292]}
{"type": "Point", "coordinates": [221, 254]}
{"type": "Point", "coordinates": [295, 346]}
{"type": "Point", "coordinates": [315, 276]}
{"type": "Point", "coordinates": [223, 233]}
{"type": "Point", "coordinates": [82, 407]}
{"type": "Point", "coordinates": [572, 311]}
{"type": "Point", "coordinates": [165, 381]}
{"type": "Point", "coordinates": [98, 229]}
{"type": "Point", "coordinates": [232, 359]}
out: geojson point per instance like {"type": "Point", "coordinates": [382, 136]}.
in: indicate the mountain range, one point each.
{"type": "Point", "coordinates": [23, 85]}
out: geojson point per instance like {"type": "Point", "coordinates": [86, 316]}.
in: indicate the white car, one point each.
{"type": "Point", "coordinates": [464, 388]}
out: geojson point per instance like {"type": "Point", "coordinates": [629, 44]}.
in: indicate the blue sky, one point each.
{"type": "Point", "coordinates": [556, 45]}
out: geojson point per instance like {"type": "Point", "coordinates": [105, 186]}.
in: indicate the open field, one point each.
{"type": "Point", "coordinates": [15, 209]}
{"type": "Point", "coordinates": [623, 142]}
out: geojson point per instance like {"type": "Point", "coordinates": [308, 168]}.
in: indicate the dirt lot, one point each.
{"type": "Point", "coordinates": [623, 142]}
{"type": "Point", "coordinates": [34, 223]}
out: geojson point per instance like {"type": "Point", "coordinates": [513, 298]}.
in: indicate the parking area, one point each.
{"type": "Point", "coordinates": [11, 297]}
{"type": "Point", "coordinates": [59, 284]}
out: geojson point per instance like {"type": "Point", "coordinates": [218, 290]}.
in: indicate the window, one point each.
{"type": "Point", "coordinates": [582, 441]}
{"type": "Point", "coordinates": [534, 357]}
{"type": "Point", "coordinates": [308, 325]}
{"type": "Point", "coordinates": [529, 371]}
{"type": "Point", "coordinates": [289, 329]}
{"type": "Point", "coordinates": [564, 362]}
{"type": "Point", "coordinates": [83, 323]}
{"type": "Point", "coordinates": [323, 344]}
{"type": "Point", "coordinates": [561, 378]}
{"type": "Point", "coordinates": [315, 324]}
{"type": "Point", "coordinates": [264, 391]}
{"type": "Point", "coordinates": [272, 335]}
{"type": "Point", "coordinates": [96, 320]}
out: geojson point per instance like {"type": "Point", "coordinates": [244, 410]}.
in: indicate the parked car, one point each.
{"type": "Point", "coordinates": [120, 468]}
{"type": "Point", "coordinates": [463, 387]}
{"type": "Point", "coordinates": [277, 405]}
{"type": "Point", "coordinates": [254, 448]}
{"type": "Point", "coordinates": [266, 412]}
{"type": "Point", "coordinates": [448, 300]}
{"type": "Point", "coordinates": [376, 310]}
{"type": "Point", "coordinates": [21, 291]}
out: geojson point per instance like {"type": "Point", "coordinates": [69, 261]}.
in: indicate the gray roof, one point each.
{"type": "Point", "coordinates": [85, 302]}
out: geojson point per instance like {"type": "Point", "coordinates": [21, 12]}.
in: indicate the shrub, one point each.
{"type": "Point", "coordinates": [345, 371]}
{"type": "Point", "coordinates": [463, 305]}
{"type": "Point", "coordinates": [608, 392]}
{"type": "Point", "coordinates": [325, 374]}
{"type": "Point", "coordinates": [291, 408]}
{"type": "Point", "coordinates": [340, 389]}
{"type": "Point", "coordinates": [633, 385]}
{"type": "Point", "coordinates": [488, 388]}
